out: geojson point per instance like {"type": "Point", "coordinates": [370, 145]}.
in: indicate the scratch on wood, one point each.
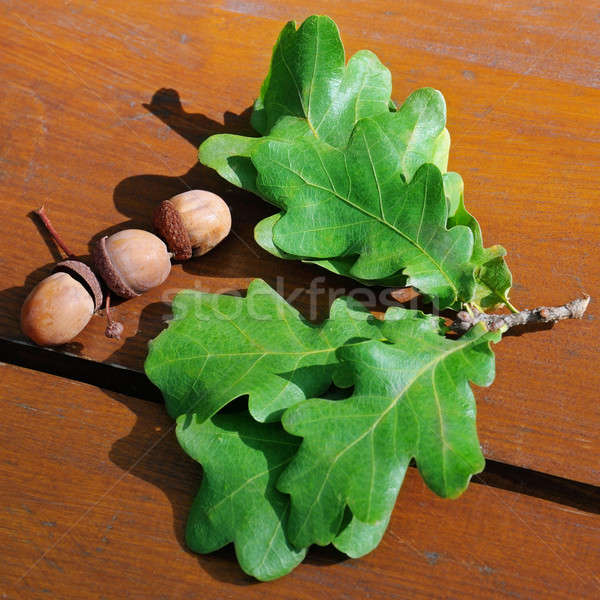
{"type": "Point", "coordinates": [54, 565]}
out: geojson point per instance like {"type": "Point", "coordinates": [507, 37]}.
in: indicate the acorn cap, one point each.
{"type": "Point", "coordinates": [84, 275]}
{"type": "Point", "coordinates": [169, 226]}
{"type": "Point", "coordinates": [105, 269]}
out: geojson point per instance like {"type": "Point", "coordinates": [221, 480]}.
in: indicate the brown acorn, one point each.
{"type": "Point", "coordinates": [62, 304]}
{"type": "Point", "coordinates": [131, 261]}
{"type": "Point", "coordinates": [192, 223]}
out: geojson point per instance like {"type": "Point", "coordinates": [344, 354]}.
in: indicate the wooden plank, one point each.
{"type": "Point", "coordinates": [522, 89]}
{"type": "Point", "coordinates": [95, 492]}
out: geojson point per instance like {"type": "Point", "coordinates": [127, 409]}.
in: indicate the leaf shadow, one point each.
{"type": "Point", "coordinates": [150, 451]}
{"type": "Point", "coordinates": [136, 196]}
{"type": "Point", "coordinates": [195, 127]}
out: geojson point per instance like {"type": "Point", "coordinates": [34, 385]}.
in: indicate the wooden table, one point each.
{"type": "Point", "coordinates": [103, 106]}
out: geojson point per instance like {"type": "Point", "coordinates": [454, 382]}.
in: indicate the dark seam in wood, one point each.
{"type": "Point", "coordinates": [567, 492]}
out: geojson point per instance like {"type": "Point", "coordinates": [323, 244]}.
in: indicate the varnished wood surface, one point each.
{"type": "Point", "coordinates": [94, 492]}
{"type": "Point", "coordinates": [82, 132]}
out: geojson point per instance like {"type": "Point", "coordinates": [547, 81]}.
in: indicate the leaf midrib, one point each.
{"type": "Point", "coordinates": [372, 216]}
{"type": "Point", "coordinates": [261, 354]}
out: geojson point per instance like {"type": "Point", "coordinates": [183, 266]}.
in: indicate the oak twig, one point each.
{"type": "Point", "coordinates": [543, 314]}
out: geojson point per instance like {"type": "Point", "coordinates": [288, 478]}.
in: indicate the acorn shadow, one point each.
{"type": "Point", "coordinates": [11, 300]}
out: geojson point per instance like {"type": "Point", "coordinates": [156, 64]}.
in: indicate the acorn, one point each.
{"type": "Point", "coordinates": [62, 304]}
{"type": "Point", "coordinates": [192, 223]}
{"type": "Point", "coordinates": [131, 261]}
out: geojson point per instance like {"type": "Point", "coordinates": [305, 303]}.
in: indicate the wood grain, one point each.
{"type": "Point", "coordinates": [94, 493]}
{"type": "Point", "coordinates": [521, 83]}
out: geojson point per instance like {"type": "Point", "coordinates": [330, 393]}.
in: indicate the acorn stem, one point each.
{"type": "Point", "coordinates": [41, 213]}
{"type": "Point", "coordinates": [114, 329]}
{"type": "Point", "coordinates": [109, 320]}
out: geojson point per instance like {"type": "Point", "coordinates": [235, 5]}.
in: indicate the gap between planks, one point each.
{"type": "Point", "coordinates": [574, 494]}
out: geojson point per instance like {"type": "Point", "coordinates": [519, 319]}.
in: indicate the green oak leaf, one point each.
{"type": "Point", "coordinates": [263, 233]}
{"type": "Point", "coordinates": [356, 538]}
{"type": "Point", "coordinates": [220, 347]}
{"type": "Point", "coordinates": [356, 203]}
{"type": "Point", "coordinates": [453, 189]}
{"type": "Point", "coordinates": [237, 501]}
{"type": "Point", "coordinates": [492, 276]}
{"type": "Point", "coordinates": [243, 458]}
{"type": "Point", "coordinates": [229, 155]}
{"type": "Point", "coordinates": [411, 399]}
{"type": "Point", "coordinates": [308, 78]}
{"type": "Point", "coordinates": [421, 138]}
